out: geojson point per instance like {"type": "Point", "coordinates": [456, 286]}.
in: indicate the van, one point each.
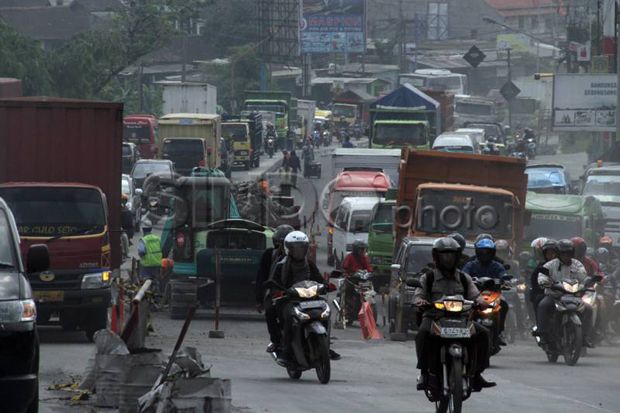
{"type": "Point", "coordinates": [351, 224]}
{"type": "Point", "coordinates": [455, 143]}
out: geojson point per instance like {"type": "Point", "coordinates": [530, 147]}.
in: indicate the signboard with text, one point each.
{"type": "Point", "coordinates": [584, 102]}
{"type": "Point", "coordinates": [333, 26]}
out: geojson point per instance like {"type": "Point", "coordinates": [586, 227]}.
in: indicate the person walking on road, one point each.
{"type": "Point", "coordinates": [295, 165]}
{"type": "Point", "coordinates": [149, 250]}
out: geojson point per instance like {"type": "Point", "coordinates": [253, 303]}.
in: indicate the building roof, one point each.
{"type": "Point", "coordinates": [512, 8]}
{"type": "Point", "coordinates": [47, 23]}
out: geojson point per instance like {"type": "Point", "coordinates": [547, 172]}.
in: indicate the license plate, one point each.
{"type": "Point", "coordinates": [455, 332]}
{"type": "Point", "coordinates": [311, 304]}
{"type": "Point", "coordinates": [49, 296]}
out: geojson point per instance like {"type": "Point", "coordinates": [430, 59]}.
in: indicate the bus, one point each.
{"type": "Point", "coordinates": [141, 130]}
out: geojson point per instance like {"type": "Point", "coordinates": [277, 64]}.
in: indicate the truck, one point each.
{"type": "Point", "coordinates": [272, 101]}
{"type": "Point", "coordinates": [560, 216]}
{"type": "Point", "coordinates": [190, 140]}
{"type": "Point", "coordinates": [345, 115]}
{"type": "Point", "coordinates": [245, 135]}
{"type": "Point", "coordinates": [60, 173]}
{"type": "Point", "coordinates": [188, 97]}
{"type": "Point", "coordinates": [407, 117]}
{"type": "Point", "coordinates": [305, 112]}
{"type": "Point", "coordinates": [141, 129]}
{"type": "Point", "coordinates": [439, 80]}
{"type": "Point", "coordinates": [468, 109]}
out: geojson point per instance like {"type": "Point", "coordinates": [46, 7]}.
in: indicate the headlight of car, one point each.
{"type": "Point", "coordinates": [96, 280]}
{"type": "Point", "coordinates": [521, 287]}
{"type": "Point", "coordinates": [17, 311]}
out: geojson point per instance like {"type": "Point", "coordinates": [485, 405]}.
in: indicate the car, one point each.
{"type": "Point", "coordinates": [131, 154]}
{"type": "Point", "coordinates": [19, 338]}
{"type": "Point", "coordinates": [351, 224]}
{"type": "Point", "coordinates": [603, 183]}
{"type": "Point", "coordinates": [134, 203]}
{"type": "Point", "coordinates": [453, 142]}
{"type": "Point", "coordinates": [548, 179]}
{"type": "Point", "coordinates": [145, 167]}
{"type": "Point", "coordinates": [413, 254]}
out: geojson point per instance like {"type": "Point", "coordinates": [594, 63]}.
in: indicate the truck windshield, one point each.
{"type": "Point", "coordinates": [473, 108]}
{"type": "Point", "coordinates": [442, 211]}
{"type": "Point", "coordinates": [56, 211]}
{"type": "Point", "coordinates": [489, 130]}
{"type": "Point", "coordinates": [237, 133]}
{"type": "Point", "coordinates": [7, 255]}
{"type": "Point", "coordinates": [553, 226]}
{"type": "Point", "coordinates": [137, 132]}
{"type": "Point", "coordinates": [383, 214]}
{"type": "Point", "coordinates": [175, 147]}
{"type": "Point", "coordinates": [401, 135]}
{"type": "Point", "coordinates": [267, 107]}
{"type": "Point", "coordinates": [602, 185]}
{"type": "Point", "coordinates": [360, 220]}
{"type": "Point", "coordinates": [443, 83]}
{"type": "Point", "coordinates": [346, 111]}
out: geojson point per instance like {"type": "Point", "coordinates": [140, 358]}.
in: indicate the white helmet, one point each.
{"type": "Point", "coordinates": [296, 245]}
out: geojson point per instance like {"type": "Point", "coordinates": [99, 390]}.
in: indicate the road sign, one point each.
{"type": "Point", "coordinates": [509, 90]}
{"type": "Point", "coordinates": [474, 56]}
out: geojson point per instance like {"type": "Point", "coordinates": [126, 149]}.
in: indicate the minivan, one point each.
{"type": "Point", "coordinates": [351, 224]}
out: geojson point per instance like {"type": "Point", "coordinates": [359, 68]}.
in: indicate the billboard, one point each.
{"type": "Point", "coordinates": [333, 26]}
{"type": "Point", "coordinates": [584, 102]}
{"type": "Point", "coordinates": [279, 30]}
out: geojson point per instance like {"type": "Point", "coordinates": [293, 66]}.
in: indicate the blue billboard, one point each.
{"type": "Point", "coordinates": [333, 26]}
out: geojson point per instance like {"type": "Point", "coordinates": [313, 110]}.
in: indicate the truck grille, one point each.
{"type": "Point", "coordinates": [60, 282]}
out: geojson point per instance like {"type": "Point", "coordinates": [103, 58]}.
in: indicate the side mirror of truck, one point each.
{"type": "Point", "coordinates": [38, 259]}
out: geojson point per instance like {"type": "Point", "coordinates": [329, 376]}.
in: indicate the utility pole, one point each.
{"type": "Point", "coordinates": [617, 16]}
{"type": "Point", "coordinates": [509, 80]}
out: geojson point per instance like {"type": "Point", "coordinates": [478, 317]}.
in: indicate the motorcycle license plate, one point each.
{"type": "Point", "coordinates": [311, 304]}
{"type": "Point", "coordinates": [455, 332]}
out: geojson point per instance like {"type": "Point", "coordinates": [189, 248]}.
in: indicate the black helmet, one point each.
{"type": "Point", "coordinates": [358, 245]}
{"type": "Point", "coordinates": [549, 244]}
{"type": "Point", "coordinates": [280, 234]}
{"type": "Point", "coordinates": [446, 253]}
{"type": "Point", "coordinates": [484, 236]}
{"type": "Point", "coordinates": [460, 239]}
{"type": "Point", "coordinates": [566, 246]}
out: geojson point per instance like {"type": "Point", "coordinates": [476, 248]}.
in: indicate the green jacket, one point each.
{"type": "Point", "coordinates": [153, 255]}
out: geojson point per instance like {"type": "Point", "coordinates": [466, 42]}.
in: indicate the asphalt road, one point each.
{"type": "Point", "coordinates": [372, 376]}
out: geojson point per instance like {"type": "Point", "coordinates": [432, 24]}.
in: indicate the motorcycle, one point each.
{"type": "Point", "coordinates": [271, 146]}
{"type": "Point", "coordinates": [326, 138]}
{"type": "Point", "coordinates": [531, 148]}
{"type": "Point", "coordinates": [521, 155]}
{"type": "Point", "coordinates": [362, 290]}
{"type": "Point", "coordinates": [491, 292]}
{"type": "Point", "coordinates": [568, 334]}
{"type": "Point", "coordinates": [454, 329]}
{"type": "Point", "coordinates": [310, 329]}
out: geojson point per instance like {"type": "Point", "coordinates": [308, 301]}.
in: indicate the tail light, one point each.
{"type": "Point", "coordinates": [180, 239]}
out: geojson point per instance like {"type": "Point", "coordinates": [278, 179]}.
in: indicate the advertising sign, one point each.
{"type": "Point", "coordinates": [584, 102]}
{"type": "Point", "coordinates": [333, 26]}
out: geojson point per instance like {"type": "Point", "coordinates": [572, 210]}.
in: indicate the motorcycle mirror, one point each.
{"type": "Point", "coordinates": [413, 282]}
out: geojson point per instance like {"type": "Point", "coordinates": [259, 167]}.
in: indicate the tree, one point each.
{"type": "Point", "coordinates": [24, 59]}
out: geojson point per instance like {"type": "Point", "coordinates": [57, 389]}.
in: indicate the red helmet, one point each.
{"type": "Point", "coordinates": [580, 247]}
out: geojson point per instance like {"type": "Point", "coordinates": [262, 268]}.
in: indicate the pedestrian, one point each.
{"type": "Point", "coordinates": [149, 250]}
{"type": "Point", "coordinates": [295, 165]}
{"type": "Point", "coordinates": [307, 156]}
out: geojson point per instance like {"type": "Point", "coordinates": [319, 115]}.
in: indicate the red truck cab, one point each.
{"type": "Point", "coordinates": [351, 183]}
{"type": "Point", "coordinates": [142, 130]}
{"type": "Point", "coordinates": [72, 220]}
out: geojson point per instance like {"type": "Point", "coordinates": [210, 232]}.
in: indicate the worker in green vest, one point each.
{"type": "Point", "coordinates": [149, 250]}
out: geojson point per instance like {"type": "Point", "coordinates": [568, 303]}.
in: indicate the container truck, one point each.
{"type": "Point", "coordinates": [189, 97]}
{"type": "Point", "coordinates": [60, 172]}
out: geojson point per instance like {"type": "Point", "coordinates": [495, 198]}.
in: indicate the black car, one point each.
{"type": "Point", "coordinates": [131, 155]}
{"type": "Point", "coordinates": [146, 167]}
{"type": "Point", "coordinates": [19, 339]}
{"type": "Point", "coordinates": [412, 256]}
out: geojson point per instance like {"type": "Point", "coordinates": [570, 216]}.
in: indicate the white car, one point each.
{"type": "Point", "coordinates": [454, 143]}
{"type": "Point", "coordinates": [351, 224]}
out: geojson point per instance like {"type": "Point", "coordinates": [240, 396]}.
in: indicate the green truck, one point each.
{"type": "Point", "coordinates": [562, 216]}
{"type": "Point", "coordinates": [381, 239]}
{"type": "Point", "coordinates": [280, 103]}
{"type": "Point", "coordinates": [203, 223]}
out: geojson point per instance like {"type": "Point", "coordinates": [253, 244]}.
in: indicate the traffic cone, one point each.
{"type": "Point", "coordinates": [368, 324]}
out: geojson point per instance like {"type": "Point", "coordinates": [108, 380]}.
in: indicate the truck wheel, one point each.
{"type": "Point", "coordinates": [183, 295]}
{"type": "Point", "coordinates": [95, 321]}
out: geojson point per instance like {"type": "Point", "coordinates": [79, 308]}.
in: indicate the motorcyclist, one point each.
{"type": "Point", "coordinates": [481, 237]}
{"type": "Point", "coordinates": [358, 258]}
{"type": "Point", "coordinates": [581, 248]}
{"type": "Point", "coordinates": [607, 242]}
{"type": "Point", "coordinates": [485, 266]}
{"type": "Point", "coordinates": [545, 250]}
{"type": "Point", "coordinates": [564, 267]}
{"type": "Point", "coordinates": [307, 155]}
{"type": "Point", "coordinates": [270, 257]}
{"type": "Point", "coordinates": [291, 269]}
{"type": "Point", "coordinates": [347, 142]}
{"type": "Point", "coordinates": [447, 279]}
{"type": "Point", "coordinates": [460, 239]}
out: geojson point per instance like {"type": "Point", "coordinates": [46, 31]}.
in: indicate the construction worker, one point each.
{"type": "Point", "coordinates": [149, 250]}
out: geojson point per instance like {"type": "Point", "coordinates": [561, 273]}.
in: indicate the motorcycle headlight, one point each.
{"type": "Point", "coordinates": [153, 202]}
{"type": "Point", "coordinates": [96, 280]}
{"type": "Point", "coordinates": [487, 310]}
{"type": "Point", "coordinates": [522, 287]}
{"type": "Point", "coordinates": [570, 288]}
{"type": "Point", "coordinates": [453, 306]}
{"type": "Point", "coordinates": [307, 292]}
{"type": "Point", "coordinates": [300, 314]}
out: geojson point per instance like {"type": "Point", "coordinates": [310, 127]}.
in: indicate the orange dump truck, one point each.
{"type": "Point", "coordinates": [440, 193]}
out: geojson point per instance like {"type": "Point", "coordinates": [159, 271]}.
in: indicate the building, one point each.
{"type": "Point", "coordinates": [532, 16]}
